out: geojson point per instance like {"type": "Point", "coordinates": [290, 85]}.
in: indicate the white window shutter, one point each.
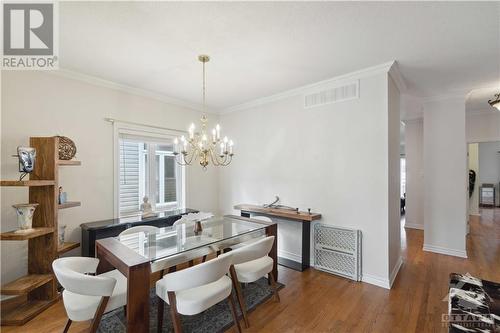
{"type": "Point", "coordinates": [129, 176]}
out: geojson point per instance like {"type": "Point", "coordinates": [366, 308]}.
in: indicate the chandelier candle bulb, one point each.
{"type": "Point", "coordinates": [214, 135]}
{"type": "Point", "coordinates": [191, 131]}
{"type": "Point", "coordinates": [217, 129]}
{"type": "Point", "coordinates": [176, 145]}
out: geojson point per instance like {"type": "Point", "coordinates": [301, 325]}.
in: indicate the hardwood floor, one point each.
{"type": "Point", "coordinates": [314, 301]}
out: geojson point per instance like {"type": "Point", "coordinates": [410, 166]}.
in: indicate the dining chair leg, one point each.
{"type": "Point", "coordinates": [68, 324]}
{"type": "Point", "coordinates": [204, 258]}
{"type": "Point", "coordinates": [125, 310]}
{"type": "Point", "coordinates": [161, 307]}
{"type": "Point", "coordinates": [233, 312]}
{"type": "Point", "coordinates": [274, 285]}
{"type": "Point", "coordinates": [98, 314]}
{"type": "Point", "coordinates": [239, 295]}
{"type": "Point", "coordinates": [173, 312]}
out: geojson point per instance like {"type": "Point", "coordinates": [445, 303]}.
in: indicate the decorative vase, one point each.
{"type": "Point", "coordinates": [197, 228]}
{"type": "Point", "coordinates": [61, 234]}
{"type": "Point", "coordinates": [25, 215]}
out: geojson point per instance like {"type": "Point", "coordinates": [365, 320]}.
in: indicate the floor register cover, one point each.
{"type": "Point", "coordinates": [216, 319]}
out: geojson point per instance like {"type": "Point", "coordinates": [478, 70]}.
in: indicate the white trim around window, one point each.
{"type": "Point", "coordinates": [146, 134]}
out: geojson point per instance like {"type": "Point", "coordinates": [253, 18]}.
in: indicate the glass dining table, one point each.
{"type": "Point", "coordinates": [138, 255]}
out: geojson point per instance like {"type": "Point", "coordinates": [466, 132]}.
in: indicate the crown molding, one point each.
{"type": "Point", "coordinates": [96, 81]}
{"type": "Point", "coordinates": [480, 112]}
{"type": "Point", "coordinates": [370, 71]}
{"type": "Point", "coordinates": [397, 77]}
{"type": "Point", "coordinates": [462, 95]}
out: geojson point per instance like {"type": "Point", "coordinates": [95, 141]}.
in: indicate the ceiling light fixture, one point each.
{"type": "Point", "coordinates": [495, 102]}
{"type": "Point", "coordinates": [201, 145]}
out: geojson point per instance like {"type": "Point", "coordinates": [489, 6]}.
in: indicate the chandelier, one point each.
{"type": "Point", "coordinates": [495, 102]}
{"type": "Point", "coordinates": [201, 145]}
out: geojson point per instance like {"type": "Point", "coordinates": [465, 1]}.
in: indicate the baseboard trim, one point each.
{"type": "Point", "coordinates": [444, 250]}
{"type": "Point", "coordinates": [289, 256]}
{"type": "Point", "coordinates": [376, 281]}
{"type": "Point", "coordinates": [395, 271]}
{"type": "Point", "coordinates": [414, 226]}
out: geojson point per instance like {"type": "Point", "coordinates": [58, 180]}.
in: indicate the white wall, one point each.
{"type": "Point", "coordinates": [332, 158]}
{"type": "Point", "coordinates": [489, 165]}
{"type": "Point", "coordinates": [483, 127]}
{"type": "Point", "coordinates": [473, 153]}
{"type": "Point", "coordinates": [445, 183]}
{"type": "Point", "coordinates": [394, 179]}
{"type": "Point", "coordinates": [41, 104]}
{"type": "Point", "coordinates": [414, 140]}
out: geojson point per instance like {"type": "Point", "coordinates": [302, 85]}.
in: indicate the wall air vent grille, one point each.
{"type": "Point", "coordinates": [332, 95]}
{"type": "Point", "coordinates": [338, 251]}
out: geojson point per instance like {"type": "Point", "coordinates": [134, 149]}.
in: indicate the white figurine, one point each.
{"type": "Point", "coordinates": [146, 209]}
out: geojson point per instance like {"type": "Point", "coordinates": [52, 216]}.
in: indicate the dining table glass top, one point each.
{"type": "Point", "coordinates": [216, 233]}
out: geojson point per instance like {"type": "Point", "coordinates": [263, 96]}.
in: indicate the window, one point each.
{"type": "Point", "coordinates": [147, 167]}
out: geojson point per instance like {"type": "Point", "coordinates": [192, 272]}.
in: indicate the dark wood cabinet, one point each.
{"type": "Point", "coordinates": [93, 231]}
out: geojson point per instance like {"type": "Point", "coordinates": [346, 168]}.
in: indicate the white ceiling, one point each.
{"type": "Point", "coordinates": [263, 48]}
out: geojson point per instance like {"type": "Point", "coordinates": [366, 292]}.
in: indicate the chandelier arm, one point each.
{"type": "Point", "coordinates": [220, 160]}
{"type": "Point", "coordinates": [213, 158]}
{"type": "Point", "coordinates": [194, 154]}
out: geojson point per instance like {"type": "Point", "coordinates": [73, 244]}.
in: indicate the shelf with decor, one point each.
{"type": "Point", "coordinates": [38, 289]}
{"type": "Point", "coordinates": [69, 204]}
{"type": "Point", "coordinates": [30, 182]}
{"type": "Point", "coordinates": [18, 235]}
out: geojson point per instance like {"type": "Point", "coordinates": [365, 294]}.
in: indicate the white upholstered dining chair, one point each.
{"type": "Point", "coordinates": [195, 289]}
{"type": "Point", "coordinates": [253, 240]}
{"type": "Point", "coordinates": [139, 228]}
{"type": "Point", "coordinates": [250, 263]}
{"type": "Point", "coordinates": [88, 297]}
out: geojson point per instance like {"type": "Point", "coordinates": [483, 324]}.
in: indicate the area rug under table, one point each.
{"type": "Point", "coordinates": [216, 319]}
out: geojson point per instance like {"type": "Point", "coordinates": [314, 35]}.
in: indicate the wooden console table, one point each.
{"type": "Point", "coordinates": [303, 217]}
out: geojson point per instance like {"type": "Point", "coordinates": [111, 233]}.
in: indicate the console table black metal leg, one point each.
{"type": "Point", "coordinates": [306, 244]}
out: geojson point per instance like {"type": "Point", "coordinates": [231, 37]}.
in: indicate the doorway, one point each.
{"type": "Point", "coordinates": [484, 179]}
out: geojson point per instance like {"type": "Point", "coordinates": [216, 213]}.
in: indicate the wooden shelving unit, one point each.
{"type": "Point", "coordinates": [25, 235]}
{"type": "Point", "coordinates": [67, 246]}
{"type": "Point", "coordinates": [69, 204]}
{"type": "Point", "coordinates": [27, 182]}
{"type": "Point", "coordinates": [38, 289]}
{"type": "Point", "coordinates": [25, 284]}
{"type": "Point", "coordinates": [22, 310]}
{"type": "Point", "coordinates": [70, 162]}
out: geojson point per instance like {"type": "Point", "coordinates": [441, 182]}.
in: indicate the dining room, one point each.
{"type": "Point", "coordinates": [236, 166]}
